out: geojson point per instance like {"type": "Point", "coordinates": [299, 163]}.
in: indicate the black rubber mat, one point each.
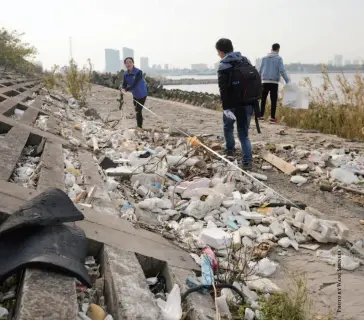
{"type": "Point", "coordinates": [49, 208]}
{"type": "Point", "coordinates": [58, 248]}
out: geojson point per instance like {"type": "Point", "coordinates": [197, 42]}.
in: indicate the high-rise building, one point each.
{"type": "Point", "coordinates": [338, 60]}
{"type": "Point", "coordinates": [331, 63]}
{"type": "Point", "coordinates": [166, 67]}
{"type": "Point", "coordinates": [199, 66]}
{"type": "Point", "coordinates": [347, 62]}
{"type": "Point", "coordinates": [144, 63]}
{"type": "Point", "coordinates": [356, 62]}
{"type": "Point", "coordinates": [112, 60]}
{"type": "Point", "coordinates": [127, 52]}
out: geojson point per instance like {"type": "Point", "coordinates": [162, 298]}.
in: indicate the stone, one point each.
{"type": "Point", "coordinates": [95, 312]}
{"type": "Point", "coordinates": [302, 167]}
{"type": "Point", "coordinates": [299, 180]}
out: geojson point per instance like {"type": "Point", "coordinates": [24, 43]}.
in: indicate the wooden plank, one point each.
{"type": "Point", "coordinates": [51, 174]}
{"type": "Point", "coordinates": [279, 163]}
{"type": "Point", "coordinates": [10, 151]}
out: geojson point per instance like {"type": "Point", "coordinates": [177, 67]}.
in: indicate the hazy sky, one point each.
{"type": "Point", "coordinates": [181, 32]}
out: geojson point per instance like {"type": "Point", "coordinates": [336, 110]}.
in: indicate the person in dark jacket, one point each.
{"type": "Point", "coordinates": [134, 82]}
{"type": "Point", "coordinates": [233, 112]}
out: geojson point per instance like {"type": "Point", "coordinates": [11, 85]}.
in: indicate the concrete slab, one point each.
{"type": "Point", "coordinates": [51, 174]}
{"type": "Point", "coordinates": [126, 289]}
{"type": "Point", "coordinates": [10, 150]}
{"type": "Point", "coordinates": [16, 86]}
{"type": "Point", "coordinates": [47, 295]}
{"type": "Point", "coordinates": [7, 105]}
{"type": "Point", "coordinates": [92, 177]}
{"type": "Point", "coordinates": [35, 131]}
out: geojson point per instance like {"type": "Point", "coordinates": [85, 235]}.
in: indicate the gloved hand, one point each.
{"type": "Point", "coordinates": [229, 114]}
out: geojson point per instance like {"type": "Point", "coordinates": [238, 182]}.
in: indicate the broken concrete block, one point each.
{"type": "Point", "coordinates": [288, 231]}
{"type": "Point", "coordinates": [276, 229]}
{"type": "Point", "coordinates": [300, 238]}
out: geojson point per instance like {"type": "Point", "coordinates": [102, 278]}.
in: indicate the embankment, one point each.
{"type": "Point", "coordinates": [155, 89]}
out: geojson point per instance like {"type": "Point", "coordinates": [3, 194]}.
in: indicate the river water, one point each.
{"type": "Point", "coordinates": [316, 80]}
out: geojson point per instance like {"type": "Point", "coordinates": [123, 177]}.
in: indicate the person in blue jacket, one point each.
{"type": "Point", "coordinates": [134, 83]}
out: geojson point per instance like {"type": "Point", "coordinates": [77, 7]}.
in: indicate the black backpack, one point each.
{"type": "Point", "coordinates": [245, 83]}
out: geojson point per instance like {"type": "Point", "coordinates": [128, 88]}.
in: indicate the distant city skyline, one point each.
{"type": "Point", "coordinates": [111, 55]}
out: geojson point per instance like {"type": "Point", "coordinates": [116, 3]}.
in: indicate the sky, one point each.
{"type": "Point", "coordinates": [182, 32]}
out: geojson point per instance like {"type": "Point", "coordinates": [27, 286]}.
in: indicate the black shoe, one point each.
{"type": "Point", "coordinates": [247, 166]}
{"type": "Point", "coordinates": [230, 153]}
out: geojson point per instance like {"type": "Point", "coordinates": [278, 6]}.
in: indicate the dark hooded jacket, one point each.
{"type": "Point", "coordinates": [223, 73]}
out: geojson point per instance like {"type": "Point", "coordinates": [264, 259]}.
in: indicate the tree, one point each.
{"type": "Point", "coordinates": [14, 53]}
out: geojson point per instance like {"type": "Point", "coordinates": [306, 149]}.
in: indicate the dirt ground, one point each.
{"type": "Point", "coordinates": [322, 278]}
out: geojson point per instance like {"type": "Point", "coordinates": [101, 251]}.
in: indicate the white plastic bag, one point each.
{"type": "Point", "coordinates": [294, 97]}
{"type": "Point", "coordinates": [171, 309]}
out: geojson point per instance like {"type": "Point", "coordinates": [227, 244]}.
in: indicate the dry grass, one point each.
{"type": "Point", "coordinates": [336, 107]}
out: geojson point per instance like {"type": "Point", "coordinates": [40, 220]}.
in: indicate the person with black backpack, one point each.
{"type": "Point", "coordinates": [240, 89]}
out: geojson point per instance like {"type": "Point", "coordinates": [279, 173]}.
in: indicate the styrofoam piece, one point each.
{"type": "Point", "coordinates": [216, 238]}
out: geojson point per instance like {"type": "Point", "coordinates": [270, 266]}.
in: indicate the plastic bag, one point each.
{"type": "Point", "coordinates": [294, 97]}
{"type": "Point", "coordinates": [344, 176]}
{"type": "Point", "coordinates": [171, 309]}
{"type": "Point", "coordinates": [263, 267]}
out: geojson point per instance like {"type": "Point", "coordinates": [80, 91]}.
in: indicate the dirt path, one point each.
{"type": "Point", "coordinates": [322, 278]}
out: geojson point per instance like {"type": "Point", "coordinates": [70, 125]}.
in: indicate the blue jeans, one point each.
{"type": "Point", "coordinates": [243, 117]}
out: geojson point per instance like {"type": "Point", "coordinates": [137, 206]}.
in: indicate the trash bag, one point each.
{"type": "Point", "coordinates": [294, 97]}
{"type": "Point", "coordinates": [171, 309]}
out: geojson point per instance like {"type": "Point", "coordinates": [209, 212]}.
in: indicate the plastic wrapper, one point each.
{"type": "Point", "coordinates": [171, 309]}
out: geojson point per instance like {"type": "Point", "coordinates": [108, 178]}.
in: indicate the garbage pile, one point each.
{"type": "Point", "coordinates": [178, 188]}
{"type": "Point", "coordinates": [330, 167]}
{"type": "Point", "coordinates": [230, 222]}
